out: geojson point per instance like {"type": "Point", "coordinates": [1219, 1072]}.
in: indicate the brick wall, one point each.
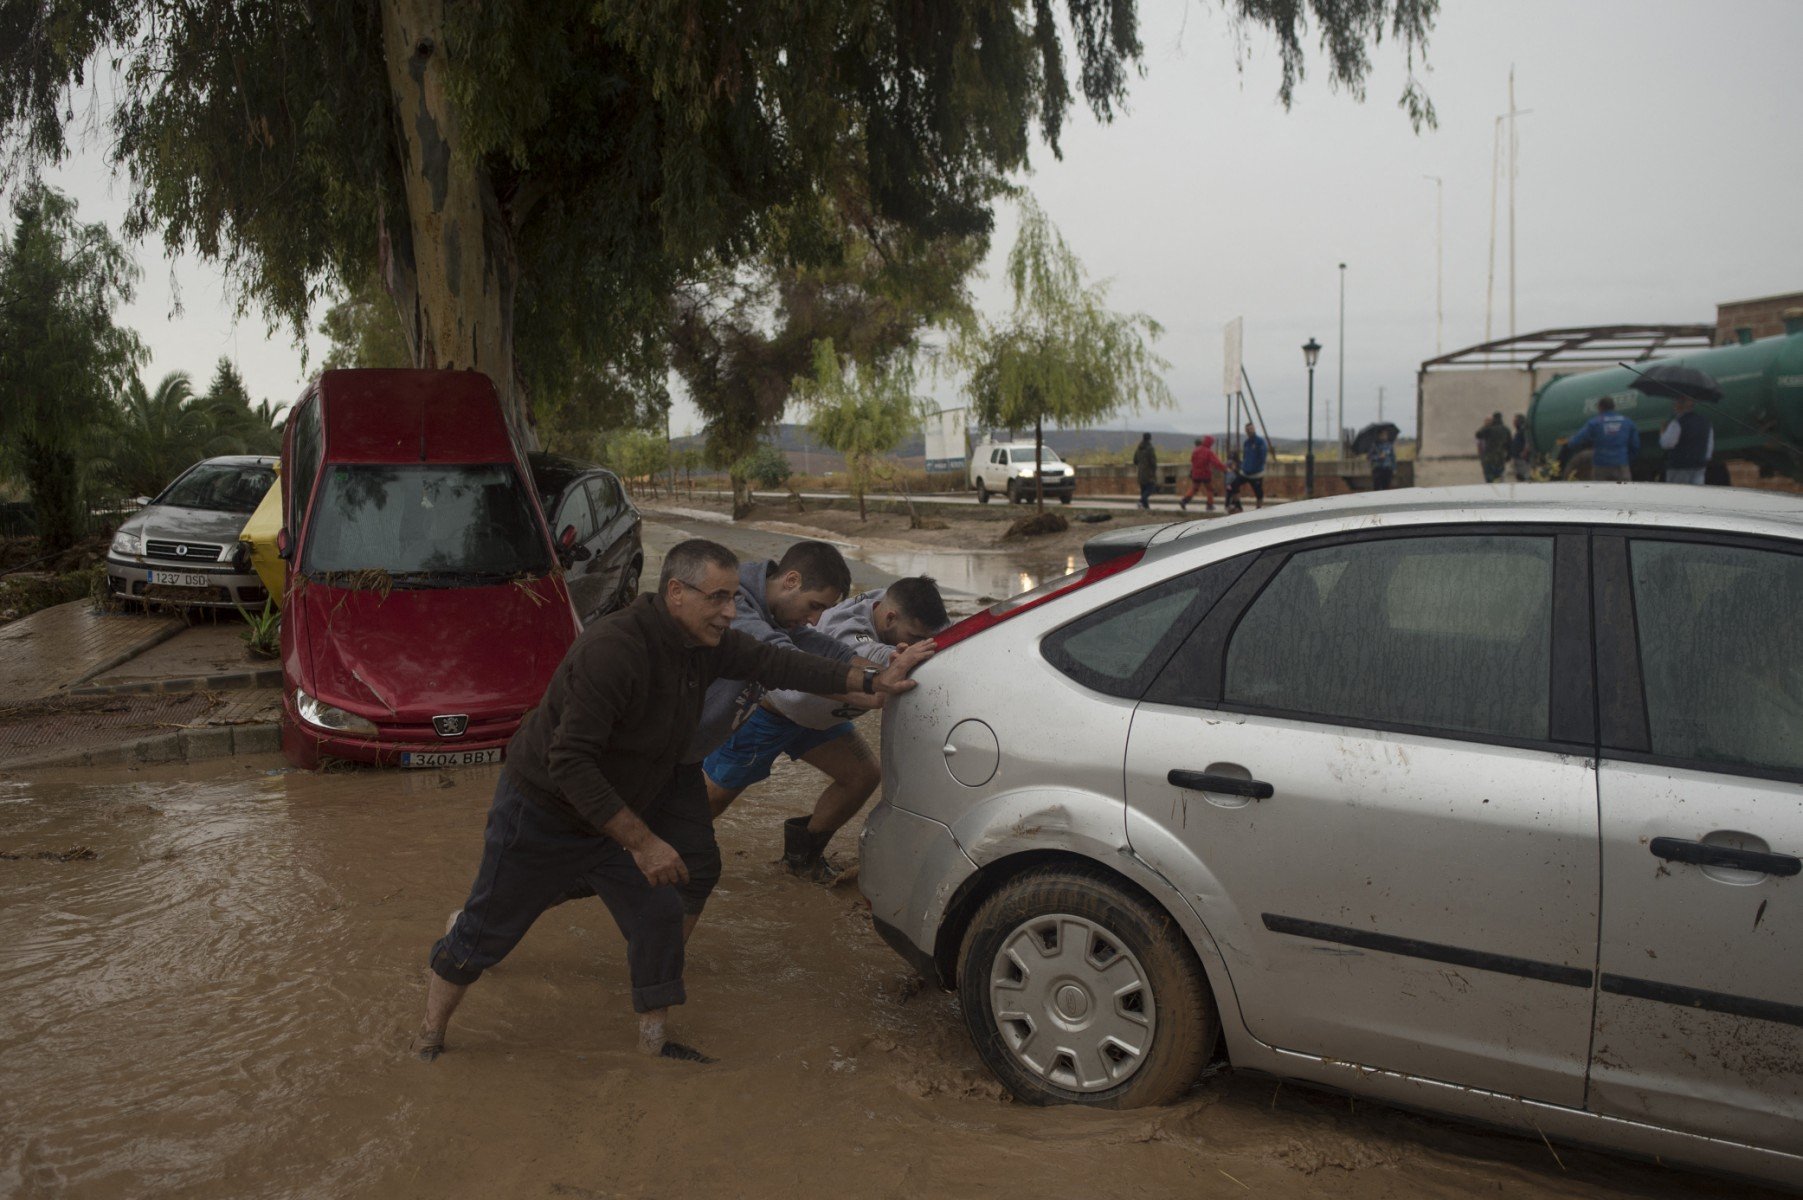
{"type": "Point", "coordinates": [1764, 316]}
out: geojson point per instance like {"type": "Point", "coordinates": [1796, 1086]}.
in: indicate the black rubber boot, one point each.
{"type": "Point", "coordinates": [804, 852]}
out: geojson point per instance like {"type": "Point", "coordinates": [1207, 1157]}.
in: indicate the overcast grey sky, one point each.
{"type": "Point", "coordinates": [1660, 172]}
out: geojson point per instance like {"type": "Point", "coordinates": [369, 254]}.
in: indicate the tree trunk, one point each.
{"type": "Point", "coordinates": [741, 497]}
{"type": "Point", "coordinates": [452, 271]}
{"type": "Point", "coordinates": [1038, 465]}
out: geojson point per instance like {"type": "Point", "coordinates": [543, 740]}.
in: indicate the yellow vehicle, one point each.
{"type": "Point", "coordinates": [259, 534]}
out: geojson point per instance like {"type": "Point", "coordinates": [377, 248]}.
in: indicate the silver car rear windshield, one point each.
{"type": "Point", "coordinates": [425, 523]}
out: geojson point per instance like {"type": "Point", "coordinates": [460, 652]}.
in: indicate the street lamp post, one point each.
{"type": "Point", "coordinates": [1311, 350]}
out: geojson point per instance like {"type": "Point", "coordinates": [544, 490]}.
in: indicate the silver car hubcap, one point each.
{"type": "Point", "coordinates": [1072, 1003]}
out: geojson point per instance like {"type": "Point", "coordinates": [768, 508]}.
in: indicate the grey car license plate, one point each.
{"type": "Point", "coordinates": [190, 579]}
{"type": "Point", "coordinates": [449, 758]}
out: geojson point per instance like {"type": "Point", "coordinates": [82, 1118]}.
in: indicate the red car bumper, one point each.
{"type": "Point", "coordinates": [307, 747]}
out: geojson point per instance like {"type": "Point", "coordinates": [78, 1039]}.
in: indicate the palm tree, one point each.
{"type": "Point", "coordinates": [154, 435]}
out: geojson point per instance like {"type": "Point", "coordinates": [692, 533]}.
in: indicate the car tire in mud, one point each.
{"type": "Point", "coordinates": [1078, 990]}
{"type": "Point", "coordinates": [1066, 498]}
{"type": "Point", "coordinates": [982, 493]}
{"type": "Point", "coordinates": [629, 586]}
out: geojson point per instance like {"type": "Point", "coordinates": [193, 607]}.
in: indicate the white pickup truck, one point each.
{"type": "Point", "coordinates": [1007, 467]}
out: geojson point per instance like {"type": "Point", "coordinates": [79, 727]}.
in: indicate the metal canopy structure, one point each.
{"type": "Point", "coordinates": [1589, 345]}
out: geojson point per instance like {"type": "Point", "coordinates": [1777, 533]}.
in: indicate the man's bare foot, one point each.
{"type": "Point", "coordinates": [652, 1041]}
{"type": "Point", "coordinates": [429, 1044]}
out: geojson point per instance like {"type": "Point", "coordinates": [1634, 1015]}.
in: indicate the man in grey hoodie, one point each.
{"type": "Point", "coordinates": [777, 603]}
{"type": "Point", "coordinates": [817, 730]}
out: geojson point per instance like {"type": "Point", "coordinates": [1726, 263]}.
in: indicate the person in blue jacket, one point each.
{"type": "Point", "coordinates": [1614, 439]}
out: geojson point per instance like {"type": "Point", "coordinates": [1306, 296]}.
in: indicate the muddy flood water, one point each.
{"type": "Point", "coordinates": [218, 1003]}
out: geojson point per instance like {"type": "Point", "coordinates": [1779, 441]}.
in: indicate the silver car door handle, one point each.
{"type": "Point", "coordinates": [1202, 781]}
{"type": "Point", "coordinates": [1703, 854]}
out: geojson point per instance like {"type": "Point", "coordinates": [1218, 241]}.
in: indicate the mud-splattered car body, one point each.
{"type": "Point", "coordinates": [424, 609]}
{"type": "Point", "coordinates": [1479, 801]}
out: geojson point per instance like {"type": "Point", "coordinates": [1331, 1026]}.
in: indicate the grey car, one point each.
{"type": "Point", "coordinates": [183, 547]}
{"type": "Point", "coordinates": [1483, 801]}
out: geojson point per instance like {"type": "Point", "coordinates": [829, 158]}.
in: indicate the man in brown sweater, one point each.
{"type": "Point", "coordinates": [594, 796]}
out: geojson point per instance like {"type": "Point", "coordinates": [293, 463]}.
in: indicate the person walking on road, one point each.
{"type": "Point", "coordinates": [1382, 457]}
{"type": "Point", "coordinates": [1203, 463]}
{"type": "Point", "coordinates": [818, 730]}
{"type": "Point", "coordinates": [1615, 440]}
{"type": "Point", "coordinates": [594, 796]}
{"type": "Point", "coordinates": [1253, 453]}
{"type": "Point", "coordinates": [1493, 447]}
{"type": "Point", "coordinates": [1521, 455]}
{"type": "Point", "coordinates": [1688, 440]}
{"type": "Point", "coordinates": [1145, 463]}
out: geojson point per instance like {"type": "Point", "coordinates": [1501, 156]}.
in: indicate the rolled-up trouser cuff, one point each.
{"type": "Point", "coordinates": [445, 966]}
{"type": "Point", "coordinates": [658, 995]}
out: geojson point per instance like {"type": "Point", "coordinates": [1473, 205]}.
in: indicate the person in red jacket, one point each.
{"type": "Point", "coordinates": [1204, 463]}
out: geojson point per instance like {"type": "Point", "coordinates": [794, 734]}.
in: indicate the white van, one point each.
{"type": "Point", "coordinates": [1007, 467]}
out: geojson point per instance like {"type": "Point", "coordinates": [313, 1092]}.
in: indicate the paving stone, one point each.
{"type": "Point", "coordinates": [256, 739]}
{"type": "Point", "coordinates": [208, 742]}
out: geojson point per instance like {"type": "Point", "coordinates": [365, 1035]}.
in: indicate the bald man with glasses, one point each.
{"type": "Point", "coordinates": [595, 794]}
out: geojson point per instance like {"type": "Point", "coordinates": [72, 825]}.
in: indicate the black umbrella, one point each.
{"type": "Point", "coordinates": [1675, 381]}
{"type": "Point", "coordinates": [1368, 435]}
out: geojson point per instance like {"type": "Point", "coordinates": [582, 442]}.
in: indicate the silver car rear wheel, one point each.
{"type": "Point", "coordinates": [1072, 1003]}
{"type": "Point", "coordinates": [1077, 988]}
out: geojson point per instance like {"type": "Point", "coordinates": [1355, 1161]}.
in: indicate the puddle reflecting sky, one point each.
{"type": "Point", "coordinates": [977, 574]}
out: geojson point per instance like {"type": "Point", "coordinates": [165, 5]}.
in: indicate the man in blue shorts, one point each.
{"type": "Point", "coordinates": [817, 730]}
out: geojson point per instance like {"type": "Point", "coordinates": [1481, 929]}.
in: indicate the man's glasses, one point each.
{"type": "Point", "coordinates": [718, 599]}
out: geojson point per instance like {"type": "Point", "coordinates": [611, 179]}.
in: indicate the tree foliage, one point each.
{"type": "Point", "coordinates": [61, 355]}
{"type": "Point", "coordinates": [151, 436]}
{"type": "Point", "coordinates": [638, 455]}
{"type": "Point", "coordinates": [766, 466]}
{"type": "Point", "coordinates": [1062, 356]}
{"type": "Point", "coordinates": [534, 182]}
{"type": "Point", "coordinates": [860, 410]}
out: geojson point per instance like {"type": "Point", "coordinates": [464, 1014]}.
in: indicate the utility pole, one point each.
{"type": "Point", "coordinates": [1490, 277]}
{"type": "Point", "coordinates": [1380, 402]}
{"type": "Point", "coordinates": [1439, 262]}
{"type": "Point", "coordinates": [1514, 147]}
{"type": "Point", "coordinates": [1339, 433]}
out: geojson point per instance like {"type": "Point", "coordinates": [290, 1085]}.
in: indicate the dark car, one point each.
{"type": "Point", "coordinates": [596, 528]}
{"type": "Point", "coordinates": [183, 547]}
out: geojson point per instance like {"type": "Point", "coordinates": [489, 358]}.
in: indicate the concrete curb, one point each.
{"type": "Point", "coordinates": [266, 677]}
{"type": "Point", "coordinates": [124, 656]}
{"type": "Point", "coordinates": [183, 745]}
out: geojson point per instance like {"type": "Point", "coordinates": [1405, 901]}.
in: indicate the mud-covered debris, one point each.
{"type": "Point", "coordinates": [1036, 525]}
{"type": "Point", "coordinates": [72, 854]}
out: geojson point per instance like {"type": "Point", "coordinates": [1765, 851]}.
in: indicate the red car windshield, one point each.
{"type": "Point", "coordinates": [425, 523]}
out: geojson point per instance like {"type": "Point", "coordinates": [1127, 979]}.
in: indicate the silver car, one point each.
{"type": "Point", "coordinates": [183, 548]}
{"type": "Point", "coordinates": [1484, 801]}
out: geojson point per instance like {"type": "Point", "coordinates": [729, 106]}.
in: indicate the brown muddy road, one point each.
{"type": "Point", "coordinates": [218, 1005]}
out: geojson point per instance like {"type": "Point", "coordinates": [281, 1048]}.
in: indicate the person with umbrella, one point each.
{"type": "Point", "coordinates": [1689, 443]}
{"type": "Point", "coordinates": [1688, 439]}
{"type": "Point", "coordinates": [1382, 456]}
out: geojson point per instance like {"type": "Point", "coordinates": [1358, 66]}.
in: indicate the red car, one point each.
{"type": "Point", "coordinates": [424, 611]}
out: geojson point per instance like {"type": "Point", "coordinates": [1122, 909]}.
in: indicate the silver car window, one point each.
{"type": "Point", "coordinates": [1119, 649]}
{"type": "Point", "coordinates": [1721, 652]}
{"type": "Point", "coordinates": [1441, 633]}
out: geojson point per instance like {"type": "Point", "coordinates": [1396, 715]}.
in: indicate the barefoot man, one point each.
{"type": "Point", "coordinates": [595, 796]}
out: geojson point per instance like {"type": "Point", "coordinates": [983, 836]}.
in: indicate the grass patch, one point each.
{"type": "Point", "coordinates": [28, 592]}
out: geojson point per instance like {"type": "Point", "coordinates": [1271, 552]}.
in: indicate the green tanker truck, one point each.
{"type": "Point", "coordinates": [1759, 419]}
